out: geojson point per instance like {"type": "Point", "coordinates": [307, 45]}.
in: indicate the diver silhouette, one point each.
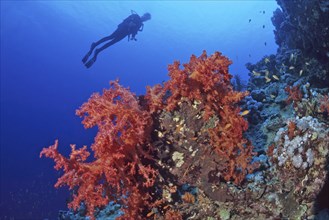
{"type": "Point", "coordinates": [129, 27]}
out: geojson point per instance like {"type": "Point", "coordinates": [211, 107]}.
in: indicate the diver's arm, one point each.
{"type": "Point", "coordinates": [133, 34]}
{"type": "Point", "coordinates": [133, 37]}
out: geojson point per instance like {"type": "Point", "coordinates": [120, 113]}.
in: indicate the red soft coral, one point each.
{"type": "Point", "coordinates": [234, 150]}
{"type": "Point", "coordinates": [324, 104]}
{"type": "Point", "coordinates": [295, 95]}
{"type": "Point", "coordinates": [207, 80]}
{"type": "Point", "coordinates": [120, 148]}
{"type": "Point", "coordinates": [123, 168]}
{"type": "Point", "coordinates": [203, 78]}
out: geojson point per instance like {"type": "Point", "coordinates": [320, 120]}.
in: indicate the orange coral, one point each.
{"type": "Point", "coordinates": [324, 104]}
{"type": "Point", "coordinates": [270, 150]}
{"type": "Point", "coordinates": [291, 129]}
{"type": "Point", "coordinates": [188, 198]}
{"type": "Point", "coordinates": [120, 149]}
{"type": "Point", "coordinates": [234, 151]}
{"type": "Point", "coordinates": [295, 95]}
{"type": "Point", "coordinates": [207, 80]}
{"type": "Point", "coordinates": [173, 215]}
{"type": "Point", "coordinates": [204, 78]}
{"type": "Point", "coordinates": [123, 166]}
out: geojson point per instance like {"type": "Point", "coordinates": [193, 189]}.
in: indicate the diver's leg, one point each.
{"type": "Point", "coordinates": [85, 58]}
{"type": "Point", "coordinates": [92, 47]}
{"type": "Point", "coordinates": [98, 50]}
{"type": "Point", "coordinates": [95, 44]}
{"type": "Point", "coordinates": [103, 40]}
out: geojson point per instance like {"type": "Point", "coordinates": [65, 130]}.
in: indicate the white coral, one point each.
{"type": "Point", "coordinates": [299, 150]}
{"type": "Point", "coordinates": [310, 157]}
{"type": "Point", "coordinates": [297, 161]}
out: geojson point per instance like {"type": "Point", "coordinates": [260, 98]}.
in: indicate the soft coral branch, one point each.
{"type": "Point", "coordinates": [78, 174]}
{"type": "Point", "coordinates": [294, 95]}
{"type": "Point", "coordinates": [324, 104]}
{"type": "Point", "coordinates": [120, 147]}
{"type": "Point", "coordinates": [207, 80]}
{"type": "Point", "coordinates": [203, 78]}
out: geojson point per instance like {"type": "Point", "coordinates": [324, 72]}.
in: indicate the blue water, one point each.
{"type": "Point", "coordinates": [43, 80]}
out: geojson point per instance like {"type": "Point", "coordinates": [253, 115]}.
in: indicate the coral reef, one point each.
{"type": "Point", "coordinates": [183, 151]}
{"type": "Point", "coordinates": [126, 164]}
{"type": "Point", "coordinates": [205, 83]}
{"type": "Point", "coordinates": [287, 89]}
{"type": "Point", "coordinates": [303, 25]}
{"type": "Point", "coordinates": [301, 159]}
{"type": "Point", "coordinates": [301, 31]}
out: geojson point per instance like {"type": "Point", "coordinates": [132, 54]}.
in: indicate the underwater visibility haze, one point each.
{"type": "Point", "coordinates": [211, 104]}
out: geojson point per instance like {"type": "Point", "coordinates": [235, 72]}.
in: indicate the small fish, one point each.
{"type": "Point", "coordinates": [265, 43]}
{"type": "Point", "coordinates": [267, 60]}
{"type": "Point", "coordinates": [249, 55]}
{"type": "Point", "coordinates": [301, 72]}
{"type": "Point", "coordinates": [228, 125]}
{"type": "Point", "coordinates": [150, 214]}
{"type": "Point", "coordinates": [292, 55]}
{"type": "Point", "coordinates": [276, 77]}
{"type": "Point", "coordinates": [255, 73]}
{"type": "Point", "coordinates": [249, 20]}
{"type": "Point", "coordinates": [263, 26]}
{"type": "Point", "coordinates": [272, 96]}
{"type": "Point", "coordinates": [245, 112]}
{"type": "Point", "coordinates": [307, 64]}
{"type": "Point", "coordinates": [267, 79]}
{"type": "Point", "coordinates": [291, 67]}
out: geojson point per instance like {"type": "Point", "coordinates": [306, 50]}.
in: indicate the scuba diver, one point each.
{"type": "Point", "coordinates": [129, 27]}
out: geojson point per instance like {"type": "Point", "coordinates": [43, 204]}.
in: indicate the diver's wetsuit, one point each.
{"type": "Point", "coordinates": [129, 27]}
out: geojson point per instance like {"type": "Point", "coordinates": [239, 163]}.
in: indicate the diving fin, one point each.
{"type": "Point", "coordinates": [90, 62]}
{"type": "Point", "coordinates": [92, 47]}
{"type": "Point", "coordinates": [85, 58]}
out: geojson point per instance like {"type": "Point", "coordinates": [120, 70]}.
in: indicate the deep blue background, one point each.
{"type": "Point", "coordinates": [43, 80]}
